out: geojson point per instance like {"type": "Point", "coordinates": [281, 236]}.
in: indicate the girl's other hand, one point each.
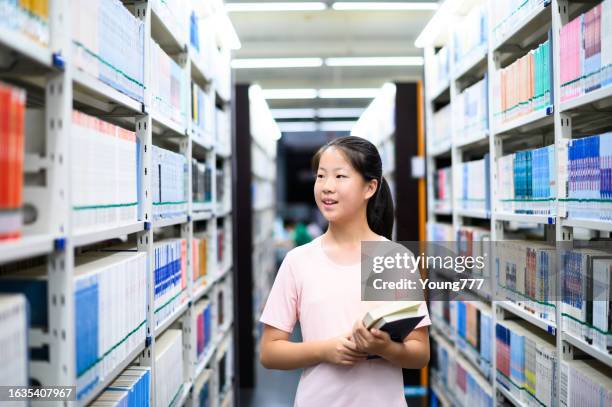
{"type": "Point", "coordinates": [342, 351]}
{"type": "Point", "coordinates": [373, 342]}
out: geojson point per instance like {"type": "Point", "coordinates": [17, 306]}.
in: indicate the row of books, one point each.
{"type": "Point", "coordinates": [168, 183]}
{"type": "Point", "coordinates": [524, 86]}
{"type": "Point", "coordinates": [585, 383]}
{"type": "Point", "coordinates": [443, 187]}
{"type": "Point", "coordinates": [508, 15]}
{"type": "Point", "coordinates": [201, 180]}
{"type": "Point", "coordinates": [204, 329]}
{"type": "Point", "coordinates": [441, 134]}
{"type": "Point", "coordinates": [169, 360]}
{"type": "Point", "coordinates": [470, 34]}
{"type": "Point", "coordinates": [458, 377]}
{"type": "Point", "coordinates": [527, 181]}
{"type": "Point", "coordinates": [440, 232]}
{"type": "Point", "coordinates": [223, 125]}
{"type": "Point", "coordinates": [473, 186]}
{"type": "Point", "coordinates": [170, 276]}
{"type": "Point", "coordinates": [108, 44]}
{"type": "Point", "coordinates": [475, 241]}
{"type": "Point", "coordinates": [14, 340]}
{"type": "Point", "coordinates": [202, 392]}
{"type": "Point", "coordinates": [105, 176]}
{"type": "Point", "coordinates": [199, 257]}
{"type": "Point", "coordinates": [526, 275]}
{"type": "Point", "coordinates": [471, 111]}
{"type": "Point", "coordinates": [526, 362]}
{"type": "Point", "coordinates": [30, 18]}
{"type": "Point", "coordinates": [589, 178]}
{"type": "Point", "coordinates": [585, 289]}
{"type": "Point", "coordinates": [586, 52]}
{"type": "Point", "coordinates": [173, 15]}
{"type": "Point", "coordinates": [440, 70]}
{"type": "Point", "coordinates": [12, 129]}
{"type": "Point", "coordinates": [132, 388]}
{"type": "Point", "coordinates": [168, 87]}
{"type": "Point", "coordinates": [221, 183]}
{"type": "Point", "coordinates": [202, 111]}
{"type": "Point", "coordinates": [474, 329]}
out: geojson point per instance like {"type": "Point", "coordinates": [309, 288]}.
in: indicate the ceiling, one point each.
{"type": "Point", "coordinates": [322, 34]}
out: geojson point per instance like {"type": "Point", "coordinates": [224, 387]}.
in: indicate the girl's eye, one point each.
{"type": "Point", "coordinates": [340, 176]}
{"type": "Point", "coordinates": [319, 175]}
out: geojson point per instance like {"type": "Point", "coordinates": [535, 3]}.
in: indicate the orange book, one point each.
{"type": "Point", "coordinates": [4, 142]}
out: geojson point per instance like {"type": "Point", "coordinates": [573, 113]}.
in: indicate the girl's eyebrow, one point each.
{"type": "Point", "coordinates": [334, 169]}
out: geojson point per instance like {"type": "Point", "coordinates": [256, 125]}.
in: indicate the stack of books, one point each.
{"type": "Point", "coordinates": [585, 383]}
{"type": "Point", "coordinates": [470, 34]}
{"type": "Point", "coordinates": [475, 241]}
{"type": "Point", "coordinates": [471, 112]}
{"type": "Point", "coordinates": [473, 186]}
{"type": "Point", "coordinates": [441, 136]}
{"type": "Point", "coordinates": [30, 18]}
{"type": "Point", "coordinates": [14, 340]}
{"type": "Point", "coordinates": [527, 182]}
{"type": "Point", "coordinates": [525, 85]}
{"type": "Point", "coordinates": [204, 331]}
{"type": "Point", "coordinates": [202, 392]}
{"type": "Point", "coordinates": [586, 52]}
{"type": "Point", "coordinates": [584, 277]}
{"type": "Point", "coordinates": [199, 257]}
{"type": "Point", "coordinates": [589, 178]}
{"type": "Point", "coordinates": [108, 44]}
{"type": "Point", "coordinates": [442, 188]}
{"type": "Point", "coordinates": [526, 362]}
{"type": "Point", "coordinates": [526, 275]}
{"type": "Point", "coordinates": [169, 183]}
{"type": "Point", "coordinates": [132, 388]}
{"type": "Point", "coordinates": [168, 87]}
{"type": "Point", "coordinates": [201, 179]}
{"type": "Point", "coordinates": [12, 129]}
{"type": "Point", "coordinates": [105, 174]}
{"type": "Point", "coordinates": [508, 15]}
{"type": "Point", "coordinates": [170, 276]}
{"type": "Point", "coordinates": [168, 367]}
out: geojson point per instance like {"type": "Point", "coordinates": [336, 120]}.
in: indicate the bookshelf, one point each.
{"type": "Point", "coordinates": [65, 70]}
{"type": "Point", "coordinates": [555, 117]}
{"type": "Point", "coordinates": [256, 168]}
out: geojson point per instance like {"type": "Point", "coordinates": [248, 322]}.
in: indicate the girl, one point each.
{"type": "Point", "coordinates": [319, 285]}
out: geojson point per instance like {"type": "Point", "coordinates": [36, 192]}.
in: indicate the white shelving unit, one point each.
{"type": "Point", "coordinates": [551, 125]}
{"type": "Point", "coordinates": [64, 87]}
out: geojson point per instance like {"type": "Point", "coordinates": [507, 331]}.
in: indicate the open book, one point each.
{"type": "Point", "coordinates": [398, 319]}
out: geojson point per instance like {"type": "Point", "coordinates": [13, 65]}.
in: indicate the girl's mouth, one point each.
{"type": "Point", "coordinates": [328, 203]}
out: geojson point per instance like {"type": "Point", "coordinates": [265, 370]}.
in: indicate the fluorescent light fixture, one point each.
{"type": "Point", "coordinates": [326, 113]}
{"type": "Point", "coordinates": [337, 126]}
{"type": "Point", "coordinates": [290, 93]}
{"type": "Point", "coordinates": [270, 6]}
{"type": "Point", "coordinates": [365, 93]}
{"type": "Point", "coordinates": [375, 61]}
{"type": "Point", "coordinates": [293, 113]}
{"type": "Point", "coordinates": [294, 127]}
{"type": "Point", "coordinates": [384, 6]}
{"type": "Point", "coordinates": [251, 63]}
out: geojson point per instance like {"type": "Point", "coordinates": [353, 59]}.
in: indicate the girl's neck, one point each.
{"type": "Point", "coordinates": [351, 233]}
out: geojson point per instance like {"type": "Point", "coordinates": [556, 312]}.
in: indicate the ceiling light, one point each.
{"type": "Point", "coordinates": [326, 113]}
{"type": "Point", "coordinates": [281, 6]}
{"type": "Point", "coordinates": [365, 93]}
{"type": "Point", "coordinates": [375, 61]}
{"type": "Point", "coordinates": [290, 93]}
{"type": "Point", "coordinates": [252, 63]}
{"type": "Point", "coordinates": [293, 113]}
{"type": "Point", "coordinates": [337, 126]}
{"type": "Point", "coordinates": [384, 6]}
{"type": "Point", "coordinates": [293, 127]}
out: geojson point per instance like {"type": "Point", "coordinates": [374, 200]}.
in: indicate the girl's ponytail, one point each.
{"type": "Point", "coordinates": [364, 157]}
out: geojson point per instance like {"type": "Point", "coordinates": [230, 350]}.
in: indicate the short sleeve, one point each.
{"type": "Point", "coordinates": [425, 321]}
{"type": "Point", "coordinates": [281, 309]}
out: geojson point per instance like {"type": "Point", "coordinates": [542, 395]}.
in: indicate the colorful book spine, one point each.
{"type": "Point", "coordinates": [168, 361]}
{"type": "Point", "coordinates": [201, 183]}
{"type": "Point", "coordinates": [199, 256]}
{"type": "Point", "coordinates": [169, 183]}
{"type": "Point", "coordinates": [443, 187]}
{"type": "Point", "coordinates": [132, 388]}
{"type": "Point", "coordinates": [14, 340]}
{"type": "Point", "coordinates": [204, 333]}
{"type": "Point", "coordinates": [105, 174]}
{"type": "Point", "coordinates": [202, 111]}
{"type": "Point", "coordinates": [202, 394]}
{"type": "Point", "coordinates": [170, 276]}
{"type": "Point", "coordinates": [108, 44]}
{"type": "Point", "coordinates": [29, 18]}
{"type": "Point", "coordinates": [12, 129]}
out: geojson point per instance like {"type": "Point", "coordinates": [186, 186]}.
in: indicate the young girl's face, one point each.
{"type": "Point", "coordinates": [340, 191]}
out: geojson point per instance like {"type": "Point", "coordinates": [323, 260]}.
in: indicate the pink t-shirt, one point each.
{"type": "Point", "coordinates": [326, 298]}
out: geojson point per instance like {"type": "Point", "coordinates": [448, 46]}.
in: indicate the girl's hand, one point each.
{"type": "Point", "coordinates": [342, 351]}
{"type": "Point", "coordinates": [373, 342]}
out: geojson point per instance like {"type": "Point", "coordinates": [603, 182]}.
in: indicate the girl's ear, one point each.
{"type": "Point", "coordinates": [371, 188]}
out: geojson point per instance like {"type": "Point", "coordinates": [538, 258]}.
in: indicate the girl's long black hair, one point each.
{"type": "Point", "coordinates": [364, 157]}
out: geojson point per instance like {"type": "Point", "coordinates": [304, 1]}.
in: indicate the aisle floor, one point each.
{"type": "Point", "coordinates": [273, 388]}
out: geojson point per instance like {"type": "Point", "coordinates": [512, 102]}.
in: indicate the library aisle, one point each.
{"type": "Point", "coordinates": [155, 170]}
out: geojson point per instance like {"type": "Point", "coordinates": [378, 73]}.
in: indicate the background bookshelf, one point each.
{"type": "Point", "coordinates": [133, 99]}
{"type": "Point", "coordinates": [545, 70]}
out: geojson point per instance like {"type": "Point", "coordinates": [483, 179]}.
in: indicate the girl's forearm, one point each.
{"type": "Point", "coordinates": [412, 354]}
{"type": "Point", "coordinates": [287, 355]}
